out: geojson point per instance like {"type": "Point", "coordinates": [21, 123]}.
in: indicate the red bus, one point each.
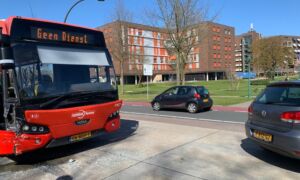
{"type": "Point", "coordinates": [58, 85]}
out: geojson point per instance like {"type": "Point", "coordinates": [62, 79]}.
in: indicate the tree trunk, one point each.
{"type": "Point", "coordinates": [140, 78]}
{"type": "Point", "coordinates": [183, 60]}
{"type": "Point", "coordinates": [182, 78]}
{"type": "Point", "coordinates": [178, 69]}
{"type": "Point", "coordinates": [122, 77]}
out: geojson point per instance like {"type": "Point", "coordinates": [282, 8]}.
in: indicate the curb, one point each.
{"type": "Point", "coordinates": [215, 108]}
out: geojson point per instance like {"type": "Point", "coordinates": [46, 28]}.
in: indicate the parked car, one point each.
{"type": "Point", "coordinates": [274, 118]}
{"type": "Point", "coordinates": [191, 98]}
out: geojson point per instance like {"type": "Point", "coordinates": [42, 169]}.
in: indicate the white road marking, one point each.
{"type": "Point", "coordinates": [180, 117]}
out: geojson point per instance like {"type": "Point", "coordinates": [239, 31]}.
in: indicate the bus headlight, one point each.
{"type": "Point", "coordinates": [113, 115]}
{"type": "Point", "coordinates": [34, 129]}
{"type": "Point", "coordinates": [25, 128]}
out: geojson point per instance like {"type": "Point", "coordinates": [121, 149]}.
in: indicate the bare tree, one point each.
{"type": "Point", "coordinates": [233, 79]}
{"type": "Point", "coordinates": [120, 44]}
{"type": "Point", "coordinates": [137, 60]}
{"type": "Point", "coordinates": [270, 54]}
{"type": "Point", "coordinates": [185, 27]}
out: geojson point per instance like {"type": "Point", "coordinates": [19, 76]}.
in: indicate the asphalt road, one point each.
{"type": "Point", "coordinates": [216, 116]}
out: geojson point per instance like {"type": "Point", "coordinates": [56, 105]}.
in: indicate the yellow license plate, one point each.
{"type": "Point", "coordinates": [262, 136]}
{"type": "Point", "coordinates": [205, 100]}
{"type": "Point", "coordinates": [81, 136]}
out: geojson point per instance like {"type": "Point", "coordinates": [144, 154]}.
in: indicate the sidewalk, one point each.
{"type": "Point", "coordinates": [242, 105]}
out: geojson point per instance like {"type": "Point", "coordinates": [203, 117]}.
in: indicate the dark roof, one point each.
{"type": "Point", "coordinates": [285, 83]}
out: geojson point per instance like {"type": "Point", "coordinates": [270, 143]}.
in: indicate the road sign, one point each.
{"type": "Point", "coordinates": [148, 70]}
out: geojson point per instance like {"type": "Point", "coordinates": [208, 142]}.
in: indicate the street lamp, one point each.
{"type": "Point", "coordinates": [246, 59]}
{"type": "Point", "coordinates": [66, 17]}
{"type": "Point", "coordinates": [249, 82]}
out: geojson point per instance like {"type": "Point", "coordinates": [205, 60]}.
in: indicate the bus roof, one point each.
{"type": "Point", "coordinates": [28, 29]}
{"type": "Point", "coordinates": [5, 24]}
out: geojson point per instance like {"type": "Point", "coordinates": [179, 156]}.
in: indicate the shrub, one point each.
{"type": "Point", "coordinates": [260, 82]}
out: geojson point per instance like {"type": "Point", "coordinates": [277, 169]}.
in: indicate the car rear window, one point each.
{"type": "Point", "coordinates": [281, 95]}
{"type": "Point", "coordinates": [202, 90]}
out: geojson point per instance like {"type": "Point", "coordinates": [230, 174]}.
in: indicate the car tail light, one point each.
{"type": "Point", "coordinates": [291, 117]}
{"type": "Point", "coordinates": [197, 96]}
{"type": "Point", "coordinates": [250, 109]}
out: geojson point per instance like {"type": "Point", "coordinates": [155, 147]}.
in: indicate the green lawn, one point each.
{"type": "Point", "coordinates": [221, 91]}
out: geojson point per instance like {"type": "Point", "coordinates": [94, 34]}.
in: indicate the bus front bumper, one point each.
{"type": "Point", "coordinates": [12, 143]}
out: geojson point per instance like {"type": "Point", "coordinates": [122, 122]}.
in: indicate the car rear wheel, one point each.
{"type": "Point", "coordinates": [192, 107]}
{"type": "Point", "coordinates": [156, 106]}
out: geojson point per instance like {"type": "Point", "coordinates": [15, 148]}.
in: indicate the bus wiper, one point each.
{"type": "Point", "coordinates": [60, 98]}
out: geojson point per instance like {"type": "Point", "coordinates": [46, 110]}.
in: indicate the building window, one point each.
{"type": "Point", "coordinates": [140, 32]}
{"type": "Point", "coordinates": [135, 39]}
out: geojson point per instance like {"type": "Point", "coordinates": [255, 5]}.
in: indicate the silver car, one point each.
{"type": "Point", "coordinates": [274, 118]}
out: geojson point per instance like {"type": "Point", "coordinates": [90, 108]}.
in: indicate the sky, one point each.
{"type": "Point", "coordinates": [269, 17]}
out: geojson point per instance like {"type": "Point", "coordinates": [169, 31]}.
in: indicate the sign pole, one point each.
{"type": "Point", "coordinates": [147, 88]}
{"type": "Point", "coordinates": [148, 71]}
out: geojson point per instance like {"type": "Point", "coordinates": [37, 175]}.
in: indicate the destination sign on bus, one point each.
{"type": "Point", "coordinates": [63, 36]}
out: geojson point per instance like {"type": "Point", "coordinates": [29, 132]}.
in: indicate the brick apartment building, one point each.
{"type": "Point", "coordinates": [243, 52]}
{"type": "Point", "coordinates": [294, 43]}
{"type": "Point", "coordinates": [210, 59]}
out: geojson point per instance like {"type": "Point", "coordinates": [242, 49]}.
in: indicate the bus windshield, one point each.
{"type": "Point", "coordinates": [50, 71]}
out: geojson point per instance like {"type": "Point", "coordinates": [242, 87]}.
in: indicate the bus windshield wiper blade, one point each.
{"type": "Point", "coordinates": [60, 98]}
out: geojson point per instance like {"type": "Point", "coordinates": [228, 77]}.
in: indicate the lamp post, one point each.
{"type": "Point", "coordinates": [66, 17]}
{"type": "Point", "coordinates": [246, 59]}
{"type": "Point", "coordinates": [249, 83]}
